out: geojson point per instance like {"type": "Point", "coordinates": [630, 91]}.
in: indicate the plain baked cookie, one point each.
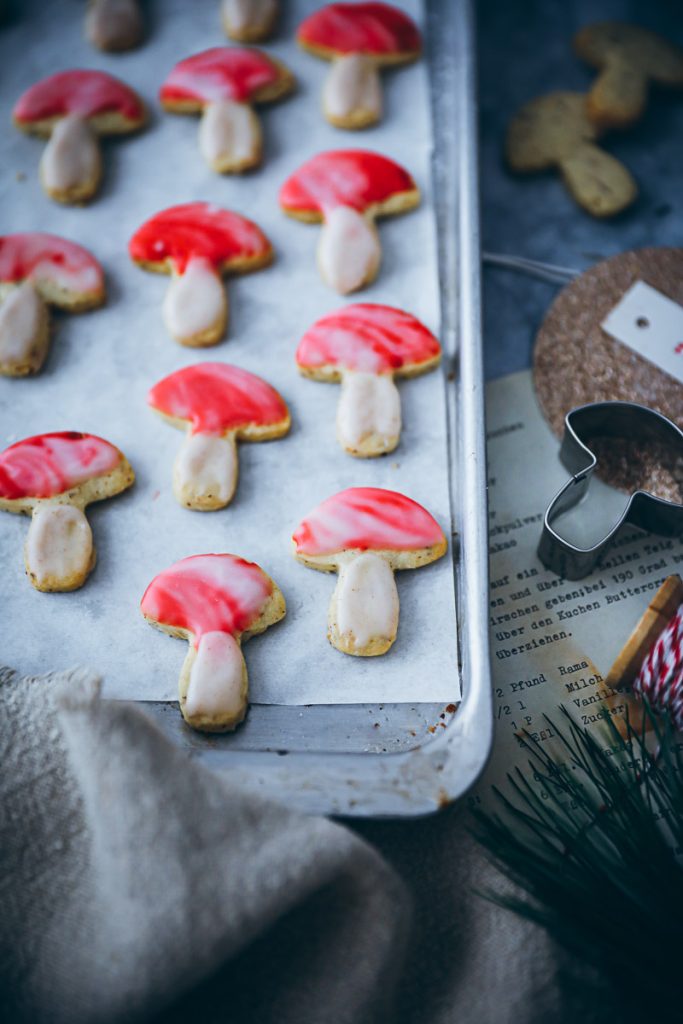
{"type": "Point", "coordinates": [215, 602]}
{"type": "Point", "coordinates": [554, 131]}
{"type": "Point", "coordinates": [365, 534]}
{"type": "Point", "coordinates": [628, 58]}
{"type": "Point", "coordinates": [53, 478]}
{"type": "Point", "coordinates": [113, 25]}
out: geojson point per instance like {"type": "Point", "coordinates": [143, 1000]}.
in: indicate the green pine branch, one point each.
{"type": "Point", "coordinates": [591, 837]}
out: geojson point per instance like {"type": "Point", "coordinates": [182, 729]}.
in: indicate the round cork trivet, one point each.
{"type": "Point", "coordinates": [576, 362]}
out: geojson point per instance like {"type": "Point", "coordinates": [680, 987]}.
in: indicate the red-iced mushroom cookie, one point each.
{"type": "Point", "coordinates": [222, 85]}
{"type": "Point", "coordinates": [365, 534]}
{"type": "Point", "coordinates": [215, 602]}
{"type": "Point", "coordinates": [216, 405]}
{"type": "Point", "coordinates": [365, 346]}
{"type": "Point", "coordinates": [197, 243]}
{"type": "Point", "coordinates": [249, 21]}
{"type": "Point", "coordinates": [52, 478]}
{"type": "Point", "coordinates": [347, 189]}
{"type": "Point", "coordinates": [359, 39]}
{"type": "Point", "coordinates": [113, 25]}
{"type": "Point", "coordinates": [73, 108]}
{"type": "Point", "coordinates": [36, 271]}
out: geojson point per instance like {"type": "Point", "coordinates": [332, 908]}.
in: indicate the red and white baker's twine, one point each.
{"type": "Point", "coordinates": [661, 676]}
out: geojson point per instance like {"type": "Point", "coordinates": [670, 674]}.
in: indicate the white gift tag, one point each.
{"type": "Point", "coordinates": [652, 325]}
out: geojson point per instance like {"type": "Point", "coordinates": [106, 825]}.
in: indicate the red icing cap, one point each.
{"type": "Point", "coordinates": [216, 398]}
{"type": "Point", "coordinates": [223, 73]}
{"type": "Point", "coordinates": [197, 230]}
{"type": "Point", "coordinates": [208, 593]}
{"type": "Point", "coordinates": [49, 259]}
{"type": "Point", "coordinates": [368, 338]}
{"type": "Point", "coordinates": [50, 464]}
{"type": "Point", "coordinates": [372, 28]}
{"type": "Point", "coordinates": [367, 518]}
{"type": "Point", "coordinates": [86, 93]}
{"type": "Point", "coordinates": [344, 177]}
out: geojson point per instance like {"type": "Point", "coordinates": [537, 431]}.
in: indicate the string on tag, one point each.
{"type": "Point", "coordinates": [660, 679]}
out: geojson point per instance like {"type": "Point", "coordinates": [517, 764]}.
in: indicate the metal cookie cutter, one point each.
{"type": "Point", "coordinates": [656, 515]}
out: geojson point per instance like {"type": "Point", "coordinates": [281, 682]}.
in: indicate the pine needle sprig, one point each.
{"type": "Point", "coordinates": [591, 833]}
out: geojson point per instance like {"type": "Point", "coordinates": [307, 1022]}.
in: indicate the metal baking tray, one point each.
{"type": "Point", "coordinates": [397, 759]}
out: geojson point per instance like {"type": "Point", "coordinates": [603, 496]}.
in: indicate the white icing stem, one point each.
{"type": "Point", "coordinates": [195, 306]}
{"type": "Point", "coordinates": [205, 471]}
{"type": "Point", "coordinates": [353, 90]}
{"type": "Point", "coordinates": [365, 601]}
{"type": "Point", "coordinates": [214, 684]}
{"type": "Point", "coordinates": [247, 16]}
{"type": "Point", "coordinates": [59, 547]}
{"type": "Point", "coordinates": [349, 252]}
{"type": "Point", "coordinates": [71, 160]}
{"type": "Point", "coordinates": [113, 24]}
{"type": "Point", "coordinates": [369, 405]}
{"type": "Point", "coordinates": [23, 329]}
{"type": "Point", "coordinates": [229, 135]}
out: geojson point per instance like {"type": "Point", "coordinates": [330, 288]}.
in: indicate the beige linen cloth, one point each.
{"type": "Point", "coordinates": [136, 884]}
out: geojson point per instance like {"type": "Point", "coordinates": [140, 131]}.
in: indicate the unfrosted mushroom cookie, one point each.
{"type": "Point", "coordinates": [113, 25]}
{"type": "Point", "coordinates": [215, 602]}
{"type": "Point", "coordinates": [347, 189]}
{"type": "Point", "coordinates": [223, 85]}
{"type": "Point", "coordinates": [359, 39]}
{"type": "Point", "coordinates": [365, 534]}
{"type": "Point", "coordinates": [197, 243]}
{"type": "Point", "coordinates": [52, 478]}
{"type": "Point", "coordinates": [38, 270]}
{"type": "Point", "coordinates": [71, 109]}
{"type": "Point", "coordinates": [365, 346]}
{"type": "Point", "coordinates": [217, 405]}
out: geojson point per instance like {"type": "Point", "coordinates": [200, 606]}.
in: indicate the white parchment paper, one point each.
{"type": "Point", "coordinates": [102, 364]}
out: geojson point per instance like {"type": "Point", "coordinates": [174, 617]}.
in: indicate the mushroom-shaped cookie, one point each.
{"type": "Point", "coordinates": [347, 189]}
{"type": "Point", "coordinates": [215, 602]}
{"type": "Point", "coordinates": [359, 39]}
{"type": "Point", "coordinates": [365, 346]}
{"type": "Point", "coordinates": [249, 21]}
{"type": "Point", "coordinates": [365, 534]}
{"type": "Point", "coordinates": [222, 84]}
{"type": "Point", "coordinates": [554, 131]}
{"type": "Point", "coordinates": [37, 270]}
{"type": "Point", "coordinates": [217, 405]}
{"type": "Point", "coordinates": [72, 108]}
{"type": "Point", "coordinates": [197, 243]}
{"type": "Point", "coordinates": [113, 25]}
{"type": "Point", "coordinates": [52, 478]}
{"type": "Point", "coordinates": [629, 57]}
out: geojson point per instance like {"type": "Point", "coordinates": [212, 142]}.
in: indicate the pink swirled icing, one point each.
{"type": "Point", "coordinates": [217, 398]}
{"type": "Point", "coordinates": [197, 230]}
{"type": "Point", "coordinates": [222, 73]}
{"type": "Point", "coordinates": [344, 177]}
{"type": "Point", "coordinates": [208, 593]}
{"type": "Point", "coordinates": [367, 518]}
{"type": "Point", "coordinates": [49, 464]}
{"type": "Point", "coordinates": [81, 92]}
{"type": "Point", "coordinates": [49, 259]}
{"type": "Point", "coordinates": [374, 28]}
{"type": "Point", "coordinates": [368, 338]}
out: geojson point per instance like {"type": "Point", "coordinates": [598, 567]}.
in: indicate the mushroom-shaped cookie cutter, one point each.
{"type": "Point", "coordinates": [73, 108]}
{"type": "Point", "coordinates": [360, 39]}
{"type": "Point", "coordinates": [113, 25]}
{"type": "Point", "coordinates": [36, 271]}
{"type": "Point", "coordinates": [347, 189]}
{"type": "Point", "coordinates": [215, 602]}
{"type": "Point", "coordinates": [249, 21]}
{"type": "Point", "coordinates": [52, 478]}
{"type": "Point", "coordinates": [197, 243]}
{"type": "Point", "coordinates": [365, 346]}
{"type": "Point", "coordinates": [222, 85]}
{"type": "Point", "coordinates": [217, 405]}
{"type": "Point", "coordinates": [365, 534]}
{"type": "Point", "coordinates": [644, 510]}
